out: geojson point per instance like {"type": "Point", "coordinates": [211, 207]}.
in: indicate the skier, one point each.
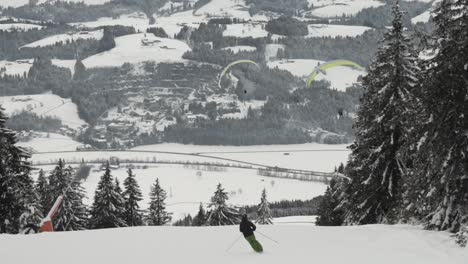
{"type": "Point", "coordinates": [247, 228]}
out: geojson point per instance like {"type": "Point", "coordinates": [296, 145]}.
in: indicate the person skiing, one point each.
{"type": "Point", "coordinates": [247, 228]}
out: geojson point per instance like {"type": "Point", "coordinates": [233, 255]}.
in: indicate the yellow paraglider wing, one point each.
{"type": "Point", "coordinates": [226, 69]}
{"type": "Point", "coordinates": [331, 64]}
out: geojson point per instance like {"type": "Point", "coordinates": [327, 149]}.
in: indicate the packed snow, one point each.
{"type": "Point", "coordinates": [237, 49]}
{"type": "Point", "coordinates": [333, 31]}
{"type": "Point", "coordinates": [14, 68]}
{"type": "Point", "coordinates": [226, 8]}
{"type": "Point", "coordinates": [295, 220]}
{"type": "Point", "coordinates": [339, 77]}
{"type": "Point", "coordinates": [138, 48]}
{"type": "Point", "coordinates": [44, 105]}
{"type": "Point", "coordinates": [423, 18]}
{"type": "Point", "coordinates": [18, 27]}
{"type": "Point", "coordinates": [65, 38]}
{"type": "Point", "coordinates": [369, 244]}
{"type": "Point", "coordinates": [245, 30]}
{"type": "Point", "coordinates": [337, 8]}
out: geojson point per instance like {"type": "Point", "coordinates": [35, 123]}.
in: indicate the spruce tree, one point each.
{"type": "Point", "coordinates": [200, 218]}
{"type": "Point", "coordinates": [72, 214]}
{"type": "Point", "coordinates": [133, 216]}
{"type": "Point", "coordinates": [108, 204]}
{"type": "Point", "coordinates": [16, 185]}
{"type": "Point", "coordinates": [157, 214]}
{"type": "Point", "coordinates": [264, 213]}
{"type": "Point", "coordinates": [329, 213]}
{"type": "Point", "coordinates": [219, 212]}
{"type": "Point", "coordinates": [439, 186]}
{"type": "Point", "coordinates": [378, 160]}
{"type": "Point", "coordinates": [43, 191]}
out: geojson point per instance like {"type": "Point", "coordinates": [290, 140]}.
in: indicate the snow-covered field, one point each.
{"type": "Point", "coordinates": [174, 23]}
{"type": "Point", "coordinates": [137, 20]}
{"type": "Point", "coordinates": [186, 190]}
{"type": "Point", "coordinates": [245, 31]}
{"type": "Point", "coordinates": [19, 67]}
{"type": "Point", "coordinates": [47, 140]}
{"type": "Point", "coordinates": [44, 105]}
{"type": "Point", "coordinates": [237, 49]}
{"type": "Point", "coordinates": [334, 8]}
{"type": "Point", "coordinates": [297, 244]}
{"type": "Point", "coordinates": [19, 27]}
{"type": "Point", "coordinates": [339, 77]}
{"type": "Point", "coordinates": [138, 48]}
{"type": "Point", "coordinates": [333, 31]}
{"type": "Point", "coordinates": [68, 64]}
{"type": "Point", "coordinates": [228, 8]}
{"type": "Point", "coordinates": [65, 38]}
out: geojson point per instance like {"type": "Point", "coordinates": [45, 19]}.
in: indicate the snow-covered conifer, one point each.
{"type": "Point", "coordinates": [219, 213]}
{"type": "Point", "coordinates": [132, 195]}
{"type": "Point", "coordinates": [264, 212]}
{"type": "Point", "coordinates": [157, 214]}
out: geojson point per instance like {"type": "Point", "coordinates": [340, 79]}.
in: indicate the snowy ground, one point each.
{"type": "Point", "coordinates": [44, 105]}
{"type": "Point", "coordinates": [19, 67]}
{"type": "Point", "coordinates": [245, 31]}
{"type": "Point", "coordinates": [186, 189]}
{"type": "Point", "coordinates": [297, 244]}
{"type": "Point", "coordinates": [339, 77]}
{"type": "Point", "coordinates": [19, 27]}
{"type": "Point", "coordinates": [174, 23]}
{"type": "Point", "coordinates": [137, 20]}
{"type": "Point", "coordinates": [229, 8]}
{"type": "Point", "coordinates": [138, 48]}
{"type": "Point", "coordinates": [334, 8]}
{"type": "Point", "coordinates": [46, 140]}
{"type": "Point", "coordinates": [237, 49]}
{"type": "Point", "coordinates": [333, 31]}
{"type": "Point", "coordinates": [68, 64]}
{"type": "Point", "coordinates": [65, 38]}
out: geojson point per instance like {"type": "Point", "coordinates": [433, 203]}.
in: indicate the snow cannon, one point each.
{"type": "Point", "coordinates": [46, 223]}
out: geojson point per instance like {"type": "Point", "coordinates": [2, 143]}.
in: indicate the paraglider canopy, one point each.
{"type": "Point", "coordinates": [226, 69]}
{"type": "Point", "coordinates": [328, 65]}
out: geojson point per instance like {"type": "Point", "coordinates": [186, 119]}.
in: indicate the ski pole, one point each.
{"type": "Point", "coordinates": [227, 250]}
{"type": "Point", "coordinates": [267, 237]}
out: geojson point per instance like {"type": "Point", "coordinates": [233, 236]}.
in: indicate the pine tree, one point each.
{"type": "Point", "coordinates": [43, 191]}
{"type": "Point", "coordinates": [157, 214]}
{"type": "Point", "coordinates": [264, 212]}
{"type": "Point", "coordinates": [378, 159]}
{"type": "Point", "coordinates": [80, 70]}
{"type": "Point", "coordinates": [329, 213]}
{"type": "Point", "coordinates": [72, 214]}
{"type": "Point", "coordinates": [107, 42]}
{"type": "Point", "coordinates": [219, 212]}
{"type": "Point", "coordinates": [200, 218]}
{"type": "Point", "coordinates": [439, 185]}
{"type": "Point", "coordinates": [108, 204]}
{"type": "Point", "coordinates": [16, 185]}
{"type": "Point", "coordinates": [132, 195]}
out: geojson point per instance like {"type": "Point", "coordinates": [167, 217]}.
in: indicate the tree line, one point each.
{"type": "Point", "coordinates": [409, 159]}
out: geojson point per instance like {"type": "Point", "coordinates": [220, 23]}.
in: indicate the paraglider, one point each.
{"type": "Point", "coordinates": [226, 69]}
{"type": "Point", "coordinates": [330, 64]}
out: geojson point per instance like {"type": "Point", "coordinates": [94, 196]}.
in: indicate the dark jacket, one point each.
{"type": "Point", "coordinates": [246, 227]}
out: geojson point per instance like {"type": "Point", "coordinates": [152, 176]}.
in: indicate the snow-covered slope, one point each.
{"type": "Point", "coordinates": [64, 38]}
{"type": "Point", "coordinates": [137, 20]}
{"type": "Point", "coordinates": [245, 31]}
{"type": "Point", "coordinates": [44, 105]}
{"type": "Point", "coordinates": [298, 244]}
{"type": "Point", "coordinates": [339, 77]}
{"type": "Point", "coordinates": [228, 8]}
{"type": "Point", "coordinates": [19, 67]}
{"type": "Point", "coordinates": [69, 64]}
{"type": "Point", "coordinates": [326, 30]}
{"type": "Point", "coordinates": [44, 141]}
{"type": "Point", "coordinates": [138, 48]}
{"type": "Point", "coordinates": [174, 23]}
{"type": "Point", "coordinates": [237, 49]}
{"type": "Point", "coordinates": [19, 27]}
{"type": "Point", "coordinates": [334, 8]}
{"type": "Point", "coordinates": [18, 3]}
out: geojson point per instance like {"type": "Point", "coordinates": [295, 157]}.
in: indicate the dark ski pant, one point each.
{"type": "Point", "coordinates": [254, 243]}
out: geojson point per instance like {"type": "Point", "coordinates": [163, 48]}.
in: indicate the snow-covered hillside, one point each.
{"type": "Point", "coordinates": [41, 141]}
{"type": "Point", "coordinates": [245, 30]}
{"type": "Point", "coordinates": [137, 20]}
{"type": "Point", "coordinates": [18, 3]}
{"type": "Point", "coordinates": [227, 8]}
{"type": "Point", "coordinates": [297, 244]}
{"type": "Point", "coordinates": [19, 67]}
{"type": "Point", "coordinates": [19, 27]}
{"type": "Point", "coordinates": [65, 38]}
{"type": "Point", "coordinates": [339, 77]}
{"type": "Point", "coordinates": [174, 23]}
{"type": "Point", "coordinates": [139, 48]}
{"type": "Point", "coordinates": [337, 8]}
{"type": "Point", "coordinates": [237, 49]}
{"type": "Point", "coordinates": [44, 105]}
{"type": "Point", "coordinates": [333, 31]}
{"type": "Point", "coordinates": [68, 64]}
